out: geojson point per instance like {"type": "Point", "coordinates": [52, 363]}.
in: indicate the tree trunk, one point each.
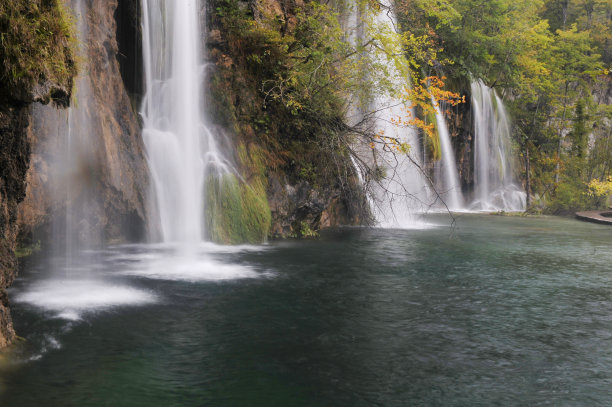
{"type": "Point", "coordinates": [564, 7]}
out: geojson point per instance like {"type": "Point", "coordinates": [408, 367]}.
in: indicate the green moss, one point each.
{"type": "Point", "coordinates": [37, 44]}
{"type": "Point", "coordinates": [237, 209]}
{"type": "Point", "coordinates": [24, 251]}
{"type": "Point", "coordinates": [433, 142]}
{"type": "Point", "coordinates": [236, 212]}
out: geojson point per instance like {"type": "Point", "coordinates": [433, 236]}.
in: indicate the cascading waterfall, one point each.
{"type": "Point", "coordinates": [450, 190]}
{"type": "Point", "coordinates": [182, 150]}
{"type": "Point", "coordinates": [494, 185]}
{"type": "Point", "coordinates": [402, 192]}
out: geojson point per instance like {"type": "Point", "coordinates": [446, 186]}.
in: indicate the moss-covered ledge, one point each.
{"type": "Point", "coordinates": [37, 50]}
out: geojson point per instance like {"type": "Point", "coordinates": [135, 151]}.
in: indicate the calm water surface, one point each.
{"type": "Point", "coordinates": [499, 311]}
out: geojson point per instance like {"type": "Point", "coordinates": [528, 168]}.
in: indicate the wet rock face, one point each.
{"type": "Point", "coordinates": [14, 157]}
{"type": "Point", "coordinates": [297, 206]}
{"type": "Point", "coordinates": [129, 41]}
{"type": "Point", "coordinates": [461, 128]}
{"type": "Point", "coordinates": [103, 180]}
{"type": "Point", "coordinates": [7, 334]}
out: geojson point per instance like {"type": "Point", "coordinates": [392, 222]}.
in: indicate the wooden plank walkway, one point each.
{"type": "Point", "coordinates": [603, 217]}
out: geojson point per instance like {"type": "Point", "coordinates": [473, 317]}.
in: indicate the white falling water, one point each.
{"type": "Point", "coordinates": [494, 185]}
{"type": "Point", "coordinates": [183, 152]}
{"type": "Point", "coordinates": [401, 195]}
{"type": "Point", "coordinates": [450, 190]}
{"type": "Point", "coordinates": [181, 149]}
{"type": "Point", "coordinates": [171, 114]}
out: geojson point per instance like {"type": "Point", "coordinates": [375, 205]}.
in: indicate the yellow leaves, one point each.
{"type": "Point", "coordinates": [421, 95]}
{"type": "Point", "coordinates": [600, 188]}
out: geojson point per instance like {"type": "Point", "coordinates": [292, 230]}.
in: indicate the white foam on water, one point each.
{"type": "Point", "coordinates": [168, 261]}
{"type": "Point", "coordinates": [210, 247]}
{"type": "Point", "coordinates": [203, 246]}
{"type": "Point", "coordinates": [70, 299]}
{"type": "Point", "coordinates": [412, 224]}
{"type": "Point", "coordinates": [191, 269]}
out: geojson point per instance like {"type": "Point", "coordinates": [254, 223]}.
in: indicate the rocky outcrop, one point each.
{"type": "Point", "coordinates": [299, 208]}
{"type": "Point", "coordinates": [88, 163]}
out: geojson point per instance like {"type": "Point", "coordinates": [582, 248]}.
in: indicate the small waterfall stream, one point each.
{"type": "Point", "coordinates": [402, 193]}
{"type": "Point", "coordinates": [450, 190]}
{"type": "Point", "coordinates": [72, 165]}
{"type": "Point", "coordinates": [494, 185]}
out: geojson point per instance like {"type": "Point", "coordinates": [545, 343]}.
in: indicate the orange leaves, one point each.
{"type": "Point", "coordinates": [422, 94]}
{"type": "Point", "coordinates": [425, 94]}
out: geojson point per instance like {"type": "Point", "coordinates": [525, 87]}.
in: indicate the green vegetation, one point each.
{"type": "Point", "coordinates": [28, 250]}
{"type": "Point", "coordinates": [287, 78]}
{"type": "Point", "coordinates": [37, 45]}
{"type": "Point", "coordinates": [302, 230]}
{"type": "Point", "coordinates": [551, 61]}
{"type": "Point", "coordinates": [236, 210]}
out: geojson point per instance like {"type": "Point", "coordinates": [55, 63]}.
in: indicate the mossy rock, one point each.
{"type": "Point", "coordinates": [38, 50]}
{"type": "Point", "coordinates": [433, 142]}
{"type": "Point", "coordinates": [236, 212]}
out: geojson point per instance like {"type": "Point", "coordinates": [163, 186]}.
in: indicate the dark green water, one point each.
{"type": "Point", "coordinates": [501, 312]}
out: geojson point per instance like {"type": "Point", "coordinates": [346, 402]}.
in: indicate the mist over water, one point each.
{"type": "Point", "coordinates": [71, 298]}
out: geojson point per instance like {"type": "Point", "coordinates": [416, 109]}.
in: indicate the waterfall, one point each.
{"type": "Point", "coordinates": [182, 150]}
{"type": "Point", "coordinates": [65, 162]}
{"type": "Point", "coordinates": [494, 185]}
{"type": "Point", "coordinates": [401, 192]}
{"type": "Point", "coordinates": [450, 190]}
